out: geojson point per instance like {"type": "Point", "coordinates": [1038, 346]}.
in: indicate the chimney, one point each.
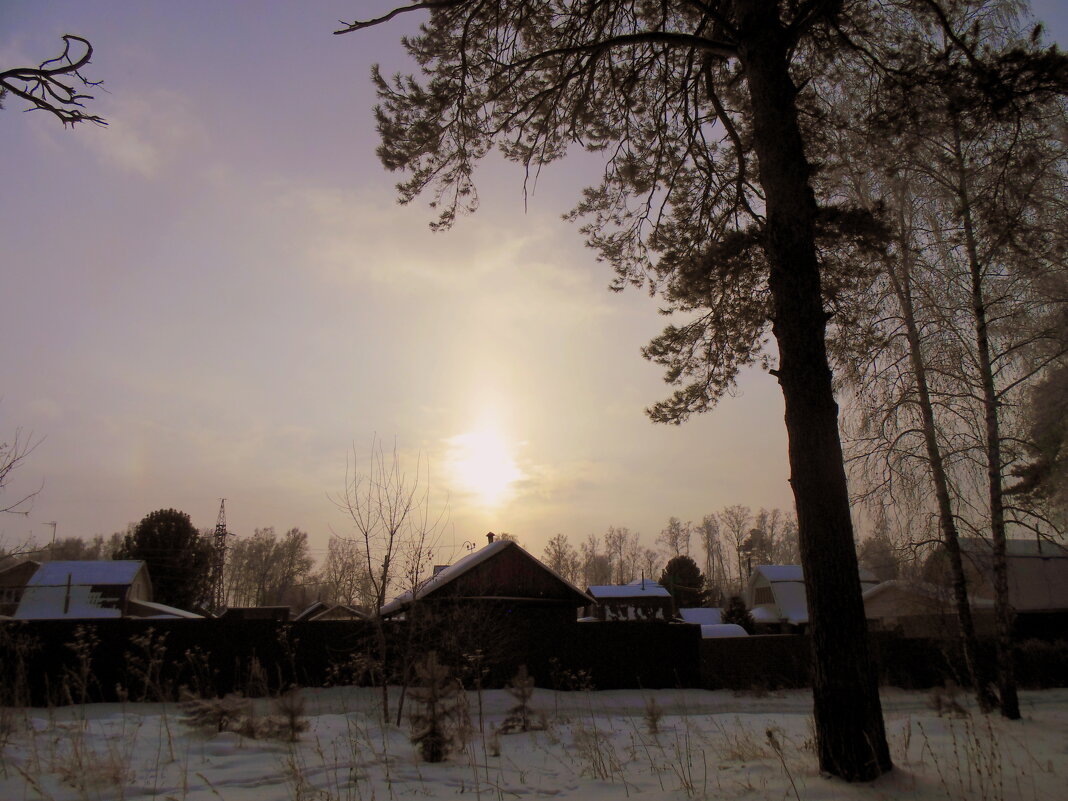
{"type": "Point", "coordinates": [490, 537]}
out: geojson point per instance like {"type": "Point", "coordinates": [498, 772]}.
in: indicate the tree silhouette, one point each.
{"type": "Point", "coordinates": [178, 558]}
{"type": "Point", "coordinates": [683, 579]}
{"type": "Point", "coordinates": [707, 183]}
{"type": "Point", "coordinates": [52, 85]}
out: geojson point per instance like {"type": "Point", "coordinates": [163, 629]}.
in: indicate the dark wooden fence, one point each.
{"type": "Point", "coordinates": [56, 662]}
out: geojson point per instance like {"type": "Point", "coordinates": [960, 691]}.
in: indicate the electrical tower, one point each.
{"type": "Point", "coordinates": [218, 595]}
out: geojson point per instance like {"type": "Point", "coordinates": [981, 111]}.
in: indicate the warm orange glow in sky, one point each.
{"type": "Point", "coordinates": [481, 463]}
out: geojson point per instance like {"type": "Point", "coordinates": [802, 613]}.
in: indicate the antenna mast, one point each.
{"type": "Point", "coordinates": [218, 595]}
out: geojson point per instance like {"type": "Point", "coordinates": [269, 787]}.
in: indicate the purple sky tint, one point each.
{"type": "Point", "coordinates": [217, 295]}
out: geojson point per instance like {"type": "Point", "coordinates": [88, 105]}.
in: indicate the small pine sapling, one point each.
{"type": "Point", "coordinates": [521, 717]}
{"type": "Point", "coordinates": [653, 714]}
{"type": "Point", "coordinates": [214, 714]}
{"type": "Point", "coordinates": [436, 708]}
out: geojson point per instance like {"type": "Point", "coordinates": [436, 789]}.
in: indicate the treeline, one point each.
{"type": "Point", "coordinates": [725, 545]}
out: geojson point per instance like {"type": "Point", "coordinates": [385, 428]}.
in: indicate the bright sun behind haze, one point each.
{"type": "Point", "coordinates": [481, 463]}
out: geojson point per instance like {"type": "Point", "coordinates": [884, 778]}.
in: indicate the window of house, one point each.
{"type": "Point", "coordinates": [763, 595]}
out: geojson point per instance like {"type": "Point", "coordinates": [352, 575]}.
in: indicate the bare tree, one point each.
{"type": "Point", "coordinates": [53, 85]}
{"type": "Point", "coordinates": [596, 566]}
{"type": "Point", "coordinates": [395, 526]}
{"type": "Point", "coordinates": [624, 551]}
{"type": "Point", "coordinates": [675, 537]}
{"type": "Point", "coordinates": [735, 522]}
{"type": "Point", "coordinates": [343, 575]}
{"type": "Point", "coordinates": [12, 455]}
{"type": "Point", "coordinates": [561, 556]}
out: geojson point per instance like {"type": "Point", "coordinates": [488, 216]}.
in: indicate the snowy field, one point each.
{"type": "Point", "coordinates": [596, 745]}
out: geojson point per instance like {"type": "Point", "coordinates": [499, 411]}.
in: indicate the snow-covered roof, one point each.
{"type": "Point", "coordinates": [764, 614]}
{"type": "Point", "coordinates": [920, 589]}
{"type": "Point", "coordinates": [320, 610]}
{"type": "Point", "coordinates": [775, 573]}
{"type": "Point", "coordinates": [154, 610]}
{"type": "Point", "coordinates": [714, 631]}
{"type": "Point", "coordinates": [706, 616]}
{"type": "Point", "coordinates": [788, 588]}
{"type": "Point", "coordinates": [72, 589]}
{"type": "Point", "coordinates": [1024, 548]}
{"type": "Point", "coordinates": [459, 568]}
{"type": "Point", "coordinates": [51, 603]}
{"type": "Point", "coordinates": [637, 589]}
{"type": "Point", "coordinates": [1037, 571]}
{"type": "Point", "coordinates": [117, 572]}
{"type": "Point", "coordinates": [792, 602]}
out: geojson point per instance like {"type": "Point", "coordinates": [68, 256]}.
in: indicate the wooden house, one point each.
{"type": "Point", "coordinates": [501, 574]}
{"type": "Point", "coordinates": [643, 599]}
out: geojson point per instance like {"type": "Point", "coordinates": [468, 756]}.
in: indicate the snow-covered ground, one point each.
{"type": "Point", "coordinates": [597, 745]}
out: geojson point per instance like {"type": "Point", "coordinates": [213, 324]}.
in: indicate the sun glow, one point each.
{"type": "Point", "coordinates": [482, 465]}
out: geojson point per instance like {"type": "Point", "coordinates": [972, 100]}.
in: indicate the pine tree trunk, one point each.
{"type": "Point", "coordinates": [1010, 704]}
{"type": "Point", "coordinates": [902, 285]}
{"type": "Point", "coordinates": [851, 739]}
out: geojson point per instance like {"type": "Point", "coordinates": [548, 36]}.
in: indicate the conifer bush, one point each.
{"type": "Point", "coordinates": [521, 717]}
{"type": "Point", "coordinates": [437, 709]}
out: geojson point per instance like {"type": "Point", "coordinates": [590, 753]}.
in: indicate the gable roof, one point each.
{"type": "Point", "coordinates": [470, 578]}
{"type": "Point", "coordinates": [776, 573]}
{"type": "Point", "coordinates": [642, 588]}
{"type": "Point", "coordinates": [923, 591]}
{"type": "Point", "coordinates": [118, 572]}
{"type": "Point", "coordinates": [705, 616]}
{"type": "Point", "coordinates": [321, 610]}
{"type": "Point", "coordinates": [1037, 571]}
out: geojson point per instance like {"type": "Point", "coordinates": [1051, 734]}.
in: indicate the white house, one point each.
{"type": "Point", "coordinates": [776, 594]}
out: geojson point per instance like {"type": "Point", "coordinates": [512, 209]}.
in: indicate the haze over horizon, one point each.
{"type": "Point", "coordinates": [217, 295]}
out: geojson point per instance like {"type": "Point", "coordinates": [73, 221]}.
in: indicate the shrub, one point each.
{"type": "Point", "coordinates": [437, 709]}
{"type": "Point", "coordinates": [735, 612]}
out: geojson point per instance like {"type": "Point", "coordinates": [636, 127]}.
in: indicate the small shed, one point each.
{"type": "Point", "coordinates": [776, 595]}
{"type": "Point", "coordinates": [643, 599]}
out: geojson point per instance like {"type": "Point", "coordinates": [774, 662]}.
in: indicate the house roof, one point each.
{"type": "Point", "coordinates": [72, 589]}
{"type": "Point", "coordinates": [922, 590]}
{"type": "Point", "coordinates": [776, 573]}
{"type": "Point", "coordinates": [450, 578]}
{"type": "Point", "coordinates": [1037, 571]}
{"type": "Point", "coordinates": [139, 608]}
{"type": "Point", "coordinates": [1016, 548]}
{"type": "Point", "coordinates": [712, 631]}
{"type": "Point", "coordinates": [706, 616]}
{"type": "Point", "coordinates": [118, 572]}
{"type": "Point", "coordinates": [636, 589]}
{"type": "Point", "coordinates": [321, 610]}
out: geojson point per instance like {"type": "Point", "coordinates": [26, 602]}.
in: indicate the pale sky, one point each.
{"type": "Point", "coordinates": [218, 296]}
